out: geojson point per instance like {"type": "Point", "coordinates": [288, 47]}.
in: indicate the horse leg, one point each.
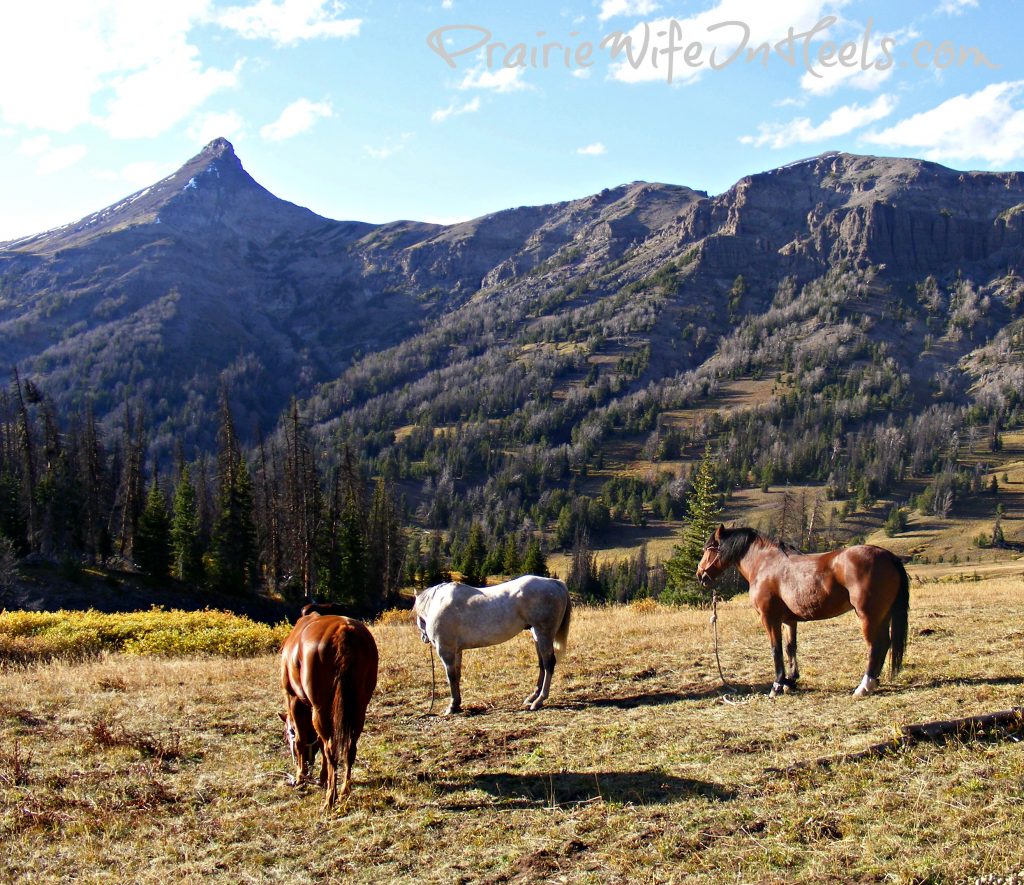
{"type": "Point", "coordinates": [329, 765]}
{"type": "Point", "coordinates": [452, 660]}
{"type": "Point", "coordinates": [546, 655]}
{"type": "Point", "coordinates": [540, 679]}
{"type": "Point", "coordinates": [877, 636]}
{"type": "Point", "coordinates": [794, 669]}
{"type": "Point", "coordinates": [774, 629]}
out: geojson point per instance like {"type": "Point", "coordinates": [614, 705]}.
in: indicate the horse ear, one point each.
{"type": "Point", "coordinates": [283, 717]}
{"type": "Point", "coordinates": [719, 531]}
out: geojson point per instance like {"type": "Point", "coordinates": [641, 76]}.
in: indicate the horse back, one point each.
{"type": "Point", "coordinates": [323, 651]}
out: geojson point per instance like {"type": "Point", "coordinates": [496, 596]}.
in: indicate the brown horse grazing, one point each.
{"type": "Point", "coordinates": [787, 587]}
{"type": "Point", "coordinates": [328, 673]}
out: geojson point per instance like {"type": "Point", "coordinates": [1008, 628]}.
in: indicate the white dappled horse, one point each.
{"type": "Point", "coordinates": [456, 616]}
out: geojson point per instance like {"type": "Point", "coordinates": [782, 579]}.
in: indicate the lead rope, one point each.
{"type": "Point", "coordinates": [714, 625]}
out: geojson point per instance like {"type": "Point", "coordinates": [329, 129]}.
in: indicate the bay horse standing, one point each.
{"type": "Point", "coordinates": [328, 674]}
{"type": "Point", "coordinates": [455, 617]}
{"type": "Point", "coordinates": [787, 587]}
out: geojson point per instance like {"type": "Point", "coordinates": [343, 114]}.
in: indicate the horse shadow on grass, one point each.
{"type": "Point", "coordinates": [661, 698]}
{"type": "Point", "coordinates": [647, 787]}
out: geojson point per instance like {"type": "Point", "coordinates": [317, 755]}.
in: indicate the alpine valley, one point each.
{"type": "Point", "coordinates": [847, 333]}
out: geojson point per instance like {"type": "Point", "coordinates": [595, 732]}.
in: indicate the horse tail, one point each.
{"type": "Point", "coordinates": [562, 636]}
{"type": "Point", "coordinates": [898, 621]}
{"type": "Point", "coordinates": [342, 714]}
{"type": "Point", "coordinates": [355, 681]}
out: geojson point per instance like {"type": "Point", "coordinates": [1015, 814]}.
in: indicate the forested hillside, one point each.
{"type": "Point", "coordinates": [852, 326]}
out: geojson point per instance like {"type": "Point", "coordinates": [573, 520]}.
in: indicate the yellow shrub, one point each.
{"type": "Point", "coordinates": [645, 606]}
{"type": "Point", "coordinates": [395, 616]}
{"type": "Point", "coordinates": [28, 636]}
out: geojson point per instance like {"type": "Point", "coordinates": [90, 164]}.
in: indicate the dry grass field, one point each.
{"type": "Point", "coordinates": [129, 768]}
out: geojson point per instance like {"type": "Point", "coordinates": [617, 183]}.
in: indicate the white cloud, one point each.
{"type": "Point", "coordinates": [841, 121]}
{"type": "Point", "coordinates": [767, 22]}
{"type": "Point", "coordinates": [612, 8]}
{"type": "Point", "coordinates": [48, 158]}
{"type": "Point", "coordinates": [868, 74]}
{"type": "Point", "coordinates": [57, 59]}
{"type": "Point", "coordinates": [987, 125]}
{"type": "Point", "coordinates": [500, 80]}
{"type": "Point", "coordinates": [447, 4]}
{"type": "Point", "coordinates": [956, 7]}
{"type": "Point", "coordinates": [287, 22]}
{"type": "Point", "coordinates": [390, 147]}
{"type": "Point", "coordinates": [455, 110]}
{"type": "Point", "coordinates": [33, 147]}
{"type": "Point", "coordinates": [300, 116]}
{"type": "Point", "coordinates": [592, 150]}
{"type": "Point", "coordinates": [214, 124]}
{"type": "Point", "coordinates": [141, 173]}
{"type": "Point", "coordinates": [149, 102]}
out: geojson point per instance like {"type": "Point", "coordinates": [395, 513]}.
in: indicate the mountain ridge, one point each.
{"type": "Point", "coordinates": [206, 279]}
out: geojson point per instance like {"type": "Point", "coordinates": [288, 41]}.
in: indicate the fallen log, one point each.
{"type": "Point", "coordinates": [1007, 721]}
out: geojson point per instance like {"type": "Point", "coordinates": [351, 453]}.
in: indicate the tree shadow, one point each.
{"type": "Point", "coordinates": [940, 681]}
{"type": "Point", "coordinates": [650, 787]}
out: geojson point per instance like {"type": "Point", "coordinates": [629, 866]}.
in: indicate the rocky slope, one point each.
{"type": "Point", "coordinates": [206, 278]}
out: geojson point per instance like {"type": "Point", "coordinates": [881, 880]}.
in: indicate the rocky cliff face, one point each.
{"type": "Point", "coordinates": [206, 278]}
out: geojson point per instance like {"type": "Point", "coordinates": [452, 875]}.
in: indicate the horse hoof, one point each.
{"type": "Point", "coordinates": [536, 705]}
{"type": "Point", "coordinates": [788, 688]}
{"type": "Point", "coordinates": [866, 687]}
{"type": "Point", "coordinates": [451, 711]}
{"type": "Point", "coordinates": [777, 689]}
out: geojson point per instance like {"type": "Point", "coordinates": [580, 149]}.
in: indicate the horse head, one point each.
{"type": "Point", "coordinates": [418, 608]}
{"type": "Point", "coordinates": [711, 565]}
{"type": "Point", "coordinates": [301, 747]}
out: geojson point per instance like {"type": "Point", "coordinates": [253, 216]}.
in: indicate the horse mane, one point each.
{"type": "Point", "coordinates": [736, 542]}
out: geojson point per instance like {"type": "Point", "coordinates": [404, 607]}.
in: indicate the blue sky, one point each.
{"type": "Point", "coordinates": [345, 108]}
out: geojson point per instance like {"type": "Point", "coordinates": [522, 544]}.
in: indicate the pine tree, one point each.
{"type": "Point", "coordinates": [187, 559]}
{"type": "Point", "coordinates": [352, 558]}
{"type": "Point", "coordinates": [703, 512]}
{"type": "Point", "coordinates": [534, 562]}
{"type": "Point", "coordinates": [385, 547]}
{"type": "Point", "coordinates": [152, 547]}
{"type": "Point", "coordinates": [434, 571]}
{"type": "Point", "coordinates": [582, 578]}
{"type": "Point", "coordinates": [233, 542]}
{"type": "Point", "coordinates": [510, 563]}
{"type": "Point", "coordinates": [472, 565]}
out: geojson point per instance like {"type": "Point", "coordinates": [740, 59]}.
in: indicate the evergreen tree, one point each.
{"type": "Point", "coordinates": [472, 565]}
{"type": "Point", "coordinates": [152, 547]}
{"type": "Point", "coordinates": [434, 571]}
{"type": "Point", "coordinates": [12, 522]}
{"type": "Point", "coordinates": [352, 558]}
{"type": "Point", "coordinates": [510, 563]}
{"type": "Point", "coordinates": [187, 558]}
{"type": "Point", "coordinates": [534, 562]}
{"type": "Point", "coordinates": [582, 578]}
{"type": "Point", "coordinates": [233, 542]}
{"type": "Point", "coordinates": [385, 547]}
{"type": "Point", "coordinates": [703, 512]}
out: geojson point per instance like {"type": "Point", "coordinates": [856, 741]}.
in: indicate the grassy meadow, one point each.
{"type": "Point", "coordinates": [134, 767]}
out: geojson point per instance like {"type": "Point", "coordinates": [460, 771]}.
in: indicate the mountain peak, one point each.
{"type": "Point", "coordinates": [219, 147]}
{"type": "Point", "coordinates": [211, 193]}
